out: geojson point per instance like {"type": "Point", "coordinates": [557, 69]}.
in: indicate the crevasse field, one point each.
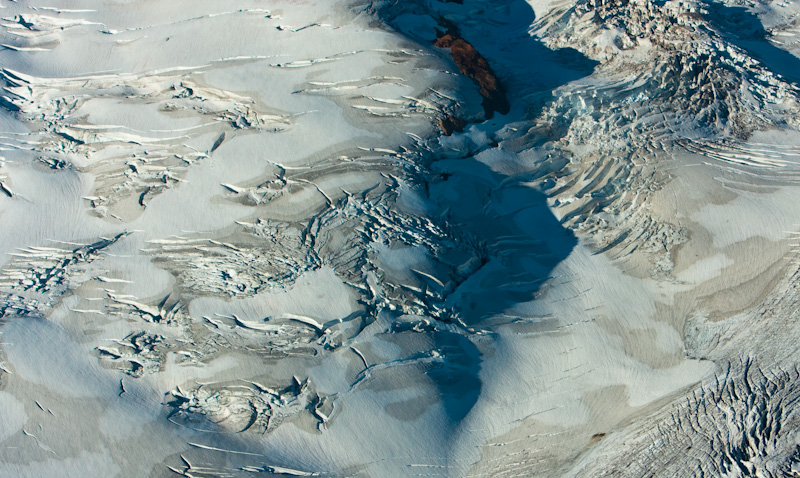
{"type": "Point", "coordinates": [462, 238]}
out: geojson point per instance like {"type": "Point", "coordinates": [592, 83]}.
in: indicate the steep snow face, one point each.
{"type": "Point", "coordinates": [682, 58]}
{"type": "Point", "coordinates": [672, 78]}
{"type": "Point", "coordinates": [455, 238]}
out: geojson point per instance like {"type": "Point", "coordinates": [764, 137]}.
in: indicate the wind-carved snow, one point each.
{"type": "Point", "coordinates": [132, 166]}
{"type": "Point", "coordinates": [666, 82]}
{"type": "Point", "coordinates": [743, 422]}
{"type": "Point", "coordinates": [244, 407]}
{"type": "Point", "coordinates": [37, 277]}
{"type": "Point", "coordinates": [327, 260]}
{"type": "Point", "coordinates": [347, 221]}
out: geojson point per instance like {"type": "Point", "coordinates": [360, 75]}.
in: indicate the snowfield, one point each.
{"type": "Point", "coordinates": [389, 239]}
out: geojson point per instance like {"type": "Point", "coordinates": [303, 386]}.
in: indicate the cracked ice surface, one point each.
{"type": "Point", "coordinates": [282, 237]}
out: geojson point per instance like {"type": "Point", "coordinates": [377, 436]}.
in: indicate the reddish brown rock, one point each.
{"type": "Point", "coordinates": [452, 124]}
{"type": "Point", "coordinates": [475, 66]}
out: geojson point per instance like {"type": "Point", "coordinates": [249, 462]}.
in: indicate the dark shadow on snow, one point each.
{"type": "Point", "coordinates": [457, 378]}
{"type": "Point", "coordinates": [529, 69]}
{"type": "Point", "coordinates": [524, 241]}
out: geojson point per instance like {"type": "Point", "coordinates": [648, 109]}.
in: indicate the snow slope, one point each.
{"type": "Point", "coordinates": [314, 238]}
